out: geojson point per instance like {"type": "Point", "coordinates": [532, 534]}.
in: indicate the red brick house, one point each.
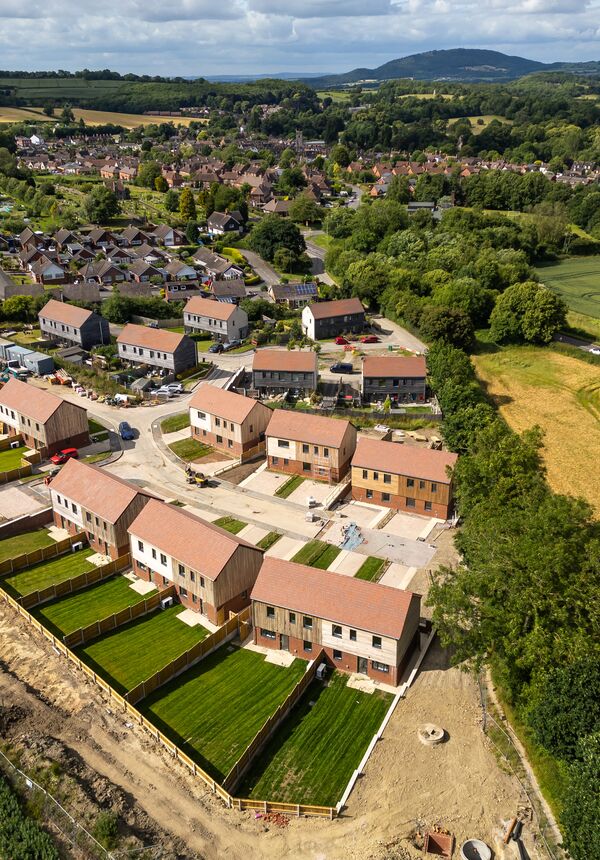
{"type": "Point", "coordinates": [310, 445]}
{"type": "Point", "coordinates": [229, 422]}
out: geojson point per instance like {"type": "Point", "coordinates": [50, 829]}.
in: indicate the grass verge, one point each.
{"type": "Point", "coordinates": [370, 569]}
{"type": "Point", "coordinates": [317, 553]}
{"type": "Point", "coordinates": [268, 541]}
{"type": "Point", "coordinates": [175, 422]}
{"type": "Point", "coordinates": [288, 487]}
{"type": "Point", "coordinates": [49, 572]}
{"type": "Point", "coordinates": [230, 524]}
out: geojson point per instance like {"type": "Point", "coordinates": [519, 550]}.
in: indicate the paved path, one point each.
{"type": "Point", "coordinates": [264, 270]}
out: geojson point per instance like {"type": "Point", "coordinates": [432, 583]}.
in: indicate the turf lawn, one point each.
{"type": "Point", "coordinates": [190, 449]}
{"type": "Point", "coordinates": [213, 710]}
{"type": "Point", "coordinates": [77, 610]}
{"type": "Point", "coordinates": [49, 572]}
{"type": "Point", "coordinates": [288, 487]}
{"type": "Point", "coordinates": [22, 544]}
{"type": "Point", "coordinates": [129, 655]}
{"type": "Point", "coordinates": [312, 756]}
{"type": "Point", "coordinates": [11, 459]}
{"type": "Point", "coordinates": [577, 280]}
{"type": "Point", "coordinates": [175, 422]}
{"type": "Point", "coordinates": [268, 540]}
{"type": "Point", "coordinates": [317, 553]}
{"type": "Point", "coordinates": [230, 524]}
{"type": "Point", "coordinates": [370, 569]}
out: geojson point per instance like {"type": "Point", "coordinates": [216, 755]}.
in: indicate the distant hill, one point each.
{"type": "Point", "coordinates": [456, 64]}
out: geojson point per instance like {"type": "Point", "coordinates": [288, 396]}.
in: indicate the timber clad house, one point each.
{"type": "Point", "coordinates": [157, 348]}
{"type": "Point", "coordinates": [275, 371]}
{"type": "Point", "coordinates": [229, 422]}
{"type": "Point", "coordinates": [87, 499]}
{"type": "Point", "coordinates": [47, 422]}
{"type": "Point", "coordinates": [310, 445]}
{"type": "Point", "coordinates": [213, 571]}
{"type": "Point", "coordinates": [72, 325]}
{"type": "Point", "coordinates": [401, 378]}
{"type": "Point", "coordinates": [223, 320]}
{"type": "Point", "coordinates": [330, 319]}
{"type": "Point", "coordinates": [406, 478]}
{"type": "Point", "coordinates": [362, 626]}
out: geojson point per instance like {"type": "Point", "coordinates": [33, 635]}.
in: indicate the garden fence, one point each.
{"type": "Point", "coordinates": [28, 559]}
{"type": "Point", "coordinates": [76, 583]}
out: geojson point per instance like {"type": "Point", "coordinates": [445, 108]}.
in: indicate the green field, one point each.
{"type": "Point", "coordinates": [317, 553]}
{"type": "Point", "coordinates": [49, 572]}
{"type": "Point", "coordinates": [77, 610]}
{"type": "Point", "coordinates": [132, 653]}
{"type": "Point", "coordinates": [11, 459]}
{"type": "Point", "coordinates": [370, 568]}
{"type": "Point", "coordinates": [213, 710]}
{"type": "Point", "coordinates": [312, 756]}
{"type": "Point", "coordinates": [230, 524]}
{"type": "Point", "coordinates": [21, 544]}
{"type": "Point", "coordinates": [577, 280]}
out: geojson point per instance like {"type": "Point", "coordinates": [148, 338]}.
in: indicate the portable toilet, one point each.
{"type": "Point", "coordinates": [39, 363]}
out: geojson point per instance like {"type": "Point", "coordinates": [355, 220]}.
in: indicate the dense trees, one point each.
{"type": "Point", "coordinates": [100, 205]}
{"type": "Point", "coordinates": [581, 811]}
{"type": "Point", "coordinates": [274, 235]}
{"type": "Point", "coordinates": [527, 312]}
{"type": "Point", "coordinates": [19, 835]}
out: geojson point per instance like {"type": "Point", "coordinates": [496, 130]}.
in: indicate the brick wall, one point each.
{"type": "Point", "coordinates": [295, 467]}
{"type": "Point", "coordinates": [398, 503]}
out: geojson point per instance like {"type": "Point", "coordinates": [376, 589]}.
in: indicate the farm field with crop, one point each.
{"type": "Point", "coordinates": [577, 280]}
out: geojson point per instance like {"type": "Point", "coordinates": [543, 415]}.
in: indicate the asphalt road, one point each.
{"type": "Point", "coordinates": [264, 270]}
{"type": "Point", "coordinates": [579, 343]}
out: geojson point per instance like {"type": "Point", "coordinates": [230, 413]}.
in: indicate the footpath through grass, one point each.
{"type": "Point", "coordinates": [213, 710]}
{"type": "Point", "coordinates": [230, 524]}
{"type": "Point", "coordinates": [51, 572]}
{"type": "Point", "coordinates": [175, 422]}
{"type": "Point", "coordinates": [77, 610]}
{"type": "Point", "coordinates": [288, 487]}
{"type": "Point", "coordinates": [129, 655]}
{"type": "Point", "coordinates": [317, 553]}
{"type": "Point", "coordinates": [370, 569]}
{"type": "Point", "coordinates": [315, 751]}
{"type": "Point", "coordinates": [25, 543]}
{"type": "Point", "coordinates": [190, 449]}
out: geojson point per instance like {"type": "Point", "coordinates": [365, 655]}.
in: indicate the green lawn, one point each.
{"type": "Point", "coordinates": [175, 422]}
{"type": "Point", "coordinates": [11, 459]}
{"type": "Point", "coordinates": [312, 756]}
{"type": "Point", "coordinates": [129, 655]}
{"type": "Point", "coordinates": [288, 487]}
{"type": "Point", "coordinates": [49, 572]}
{"type": "Point", "coordinates": [190, 449]}
{"type": "Point", "coordinates": [95, 426]}
{"type": "Point", "coordinates": [230, 524]}
{"type": "Point", "coordinates": [213, 710]}
{"type": "Point", "coordinates": [370, 568]}
{"type": "Point", "coordinates": [577, 280]}
{"type": "Point", "coordinates": [21, 544]}
{"type": "Point", "coordinates": [317, 553]}
{"type": "Point", "coordinates": [268, 541]}
{"type": "Point", "coordinates": [77, 610]}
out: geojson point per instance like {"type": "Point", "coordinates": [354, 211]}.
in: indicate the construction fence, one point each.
{"type": "Point", "coordinates": [76, 583]}
{"type": "Point", "coordinates": [28, 559]}
{"type": "Point", "coordinates": [83, 635]}
{"type": "Point", "coordinates": [118, 701]}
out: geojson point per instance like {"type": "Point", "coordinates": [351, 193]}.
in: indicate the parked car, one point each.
{"type": "Point", "coordinates": [216, 347]}
{"type": "Point", "coordinates": [232, 344]}
{"type": "Point", "coordinates": [595, 351]}
{"type": "Point", "coordinates": [66, 454]}
{"type": "Point", "coordinates": [153, 325]}
{"type": "Point", "coordinates": [165, 391]}
{"type": "Point", "coordinates": [341, 367]}
{"type": "Point", "coordinates": [175, 387]}
{"type": "Point", "coordinates": [125, 431]}
{"type": "Point", "coordinates": [340, 340]}
{"type": "Point", "coordinates": [369, 338]}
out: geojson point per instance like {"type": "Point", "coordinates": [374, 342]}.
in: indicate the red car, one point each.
{"type": "Point", "coordinates": [369, 338]}
{"type": "Point", "coordinates": [340, 340]}
{"type": "Point", "coordinates": [64, 455]}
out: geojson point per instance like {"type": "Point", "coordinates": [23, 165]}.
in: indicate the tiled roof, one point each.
{"type": "Point", "coordinates": [209, 308]}
{"type": "Point", "coordinates": [316, 429]}
{"type": "Point", "coordinates": [334, 597]}
{"type": "Point", "coordinates": [223, 404]}
{"type": "Point", "coordinates": [153, 338]}
{"type": "Point", "coordinates": [400, 459]}
{"type": "Point", "coordinates": [337, 308]}
{"type": "Point", "coordinates": [395, 365]}
{"type": "Point", "coordinates": [299, 361]}
{"type": "Point", "coordinates": [33, 402]}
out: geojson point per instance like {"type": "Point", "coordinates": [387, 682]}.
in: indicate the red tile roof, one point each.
{"type": "Point", "coordinates": [63, 312]}
{"type": "Point", "coordinates": [96, 490]}
{"type": "Point", "coordinates": [395, 365]}
{"type": "Point", "coordinates": [298, 361]}
{"type": "Point", "coordinates": [224, 404]}
{"type": "Point", "coordinates": [194, 542]}
{"type": "Point", "coordinates": [335, 597]}
{"type": "Point", "coordinates": [152, 338]}
{"type": "Point", "coordinates": [337, 308]}
{"type": "Point", "coordinates": [210, 308]}
{"type": "Point", "coordinates": [304, 427]}
{"type": "Point", "coordinates": [30, 401]}
{"type": "Point", "coordinates": [400, 459]}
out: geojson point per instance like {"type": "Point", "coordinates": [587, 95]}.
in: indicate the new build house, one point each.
{"type": "Point", "coordinates": [404, 477]}
{"type": "Point", "coordinates": [47, 422]}
{"type": "Point", "coordinates": [157, 348]}
{"type": "Point", "coordinates": [401, 378]}
{"type": "Point", "coordinates": [224, 321]}
{"type": "Point", "coordinates": [310, 445]}
{"type": "Point", "coordinates": [74, 326]}
{"type": "Point", "coordinates": [213, 570]}
{"type": "Point", "coordinates": [330, 319]}
{"type": "Point", "coordinates": [229, 422]}
{"type": "Point", "coordinates": [362, 626]}
{"type": "Point", "coordinates": [87, 499]}
{"type": "Point", "coordinates": [275, 371]}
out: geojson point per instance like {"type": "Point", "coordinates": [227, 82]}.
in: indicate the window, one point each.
{"type": "Point", "coordinates": [270, 612]}
{"type": "Point", "coordinates": [307, 645]}
{"type": "Point", "coordinates": [285, 461]}
{"type": "Point", "coordinates": [337, 655]}
{"type": "Point", "coordinates": [305, 449]}
{"type": "Point", "coordinates": [434, 488]}
{"type": "Point", "coordinates": [194, 598]}
{"type": "Point", "coordinates": [283, 443]}
{"type": "Point", "coordinates": [353, 635]}
{"type": "Point", "coordinates": [58, 499]}
{"type": "Point", "coordinates": [387, 479]}
{"type": "Point", "coordinates": [427, 506]}
{"type": "Point", "coordinates": [219, 439]}
{"type": "Point", "coordinates": [140, 546]}
{"type": "Point", "coordinates": [217, 422]}
{"type": "Point", "coordinates": [375, 476]}
{"type": "Point", "coordinates": [365, 473]}
{"type": "Point", "coordinates": [410, 482]}
{"type": "Point", "coordinates": [181, 570]}
{"type": "Point", "coordinates": [268, 634]}
{"type": "Point", "coordinates": [163, 559]}
{"type": "Point", "coordinates": [306, 467]}
{"type": "Point", "coordinates": [369, 494]}
{"type": "Point", "coordinates": [153, 553]}
{"type": "Point", "coordinates": [201, 582]}
{"type": "Point", "coordinates": [380, 667]}
{"type": "Point", "coordinates": [336, 631]}
{"type": "Point", "coordinates": [315, 449]}
{"type": "Point", "coordinates": [376, 642]}
{"type": "Point", "coordinates": [421, 485]}
{"type": "Point", "coordinates": [292, 617]}
{"type": "Point", "coordinates": [230, 443]}
{"type": "Point", "coordinates": [385, 497]}
{"type": "Point", "coordinates": [88, 516]}
{"type": "Point", "coordinates": [182, 591]}
{"type": "Point", "coordinates": [74, 507]}
{"type": "Point", "coordinates": [275, 460]}
{"type": "Point", "coordinates": [202, 415]}
{"type": "Point", "coordinates": [410, 503]}
{"type": "Point", "coordinates": [307, 622]}
{"type": "Point", "coordinates": [326, 452]}
{"type": "Point", "coordinates": [192, 576]}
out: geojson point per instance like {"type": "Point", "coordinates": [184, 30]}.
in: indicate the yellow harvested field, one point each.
{"type": "Point", "coordinates": [92, 117]}
{"type": "Point", "coordinates": [487, 119]}
{"type": "Point", "coordinates": [533, 385]}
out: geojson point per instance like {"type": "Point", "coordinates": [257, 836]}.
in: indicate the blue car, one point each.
{"type": "Point", "coordinates": [125, 431]}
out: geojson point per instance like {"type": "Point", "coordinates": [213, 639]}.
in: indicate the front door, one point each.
{"type": "Point", "coordinates": [284, 642]}
{"type": "Point", "coordinates": [363, 665]}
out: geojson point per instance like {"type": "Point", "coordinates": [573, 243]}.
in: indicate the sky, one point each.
{"type": "Point", "coordinates": [216, 37]}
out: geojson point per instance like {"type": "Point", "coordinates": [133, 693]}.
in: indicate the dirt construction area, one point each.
{"type": "Point", "coordinates": [48, 711]}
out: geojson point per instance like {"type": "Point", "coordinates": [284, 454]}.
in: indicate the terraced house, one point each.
{"type": "Point", "coordinates": [275, 371]}
{"type": "Point", "coordinates": [74, 326]}
{"type": "Point", "coordinates": [155, 347]}
{"type": "Point", "coordinates": [362, 626]}
{"type": "Point", "coordinates": [222, 320]}
{"type": "Point", "coordinates": [404, 477]}
{"type": "Point", "coordinates": [87, 499]}
{"type": "Point", "coordinates": [212, 569]}
{"type": "Point", "coordinates": [47, 423]}
{"type": "Point", "coordinates": [310, 445]}
{"type": "Point", "coordinates": [330, 319]}
{"type": "Point", "coordinates": [229, 422]}
{"type": "Point", "coordinates": [401, 378]}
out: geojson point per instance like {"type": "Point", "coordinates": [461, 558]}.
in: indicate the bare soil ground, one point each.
{"type": "Point", "coordinates": [56, 714]}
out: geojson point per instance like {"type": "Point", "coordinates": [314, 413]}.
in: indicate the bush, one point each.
{"type": "Point", "coordinates": [19, 836]}
{"type": "Point", "coordinates": [106, 829]}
